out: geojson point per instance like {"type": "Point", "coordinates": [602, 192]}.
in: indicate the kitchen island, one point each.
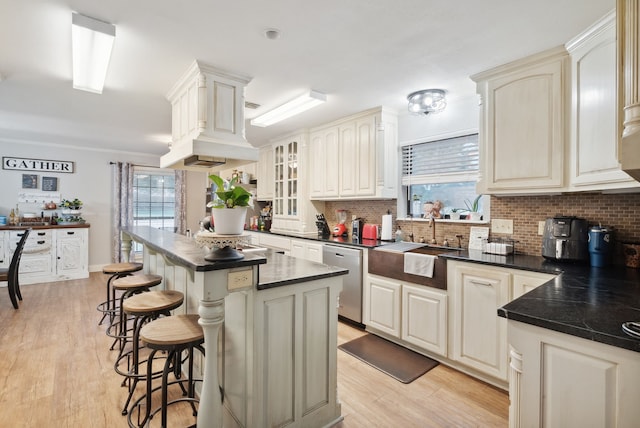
{"type": "Point", "coordinates": [570, 363]}
{"type": "Point", "coordinates": [278, 348]}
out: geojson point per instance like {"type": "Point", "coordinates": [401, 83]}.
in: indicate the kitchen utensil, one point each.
{"type": "Point", "coordinates": [340, 229]}
{"type": "Point", "coordinates": [600, 245]}
{"type": "Point", "coordinates": [370, 231]}
{"type": "Point", "coordinates": [565, 239]}
{"type": "Point", "coordinates": [356, 228]}
{"type": "Point", "coordinates": [321, 224]}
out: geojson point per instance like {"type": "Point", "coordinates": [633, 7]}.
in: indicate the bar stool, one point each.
{"type": "Point", "coordinates": [143, 308]}
{"type": "Point", "coordinates": [174, 335]}
{"type": "Point", "coordinates": [128, 286]}
{"type": "Point", "coordinates": [116, 270]}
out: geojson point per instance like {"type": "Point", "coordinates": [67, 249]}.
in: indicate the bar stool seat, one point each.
{"type": "Point", "coordinates": [115, 270]}
{"type": "Point", "coordinates": [174, 335]}
{"type": "Point", "coordinates": [128, 286]}
{"type": "Point", "coordinates": [143, 307]}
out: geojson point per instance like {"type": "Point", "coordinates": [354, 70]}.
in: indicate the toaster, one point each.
{"type": "Point", "coordinates": [370, 231]}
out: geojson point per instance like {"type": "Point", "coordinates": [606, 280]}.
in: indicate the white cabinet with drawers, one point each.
{"type": "Point", "coordinates": [49, 255]}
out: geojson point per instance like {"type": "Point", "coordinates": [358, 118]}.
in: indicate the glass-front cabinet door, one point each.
{"type": "Point", "coordinates": [285, 201]}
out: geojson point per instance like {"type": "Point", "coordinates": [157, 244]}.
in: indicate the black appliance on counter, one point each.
{"type": "Point", "coordinates": [323, 227]}
{"type": "Point", "coordinates": [565, 239]}
{"type": "Point", "coordinates": [356, 228]}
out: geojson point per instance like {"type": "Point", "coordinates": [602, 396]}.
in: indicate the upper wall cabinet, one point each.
{"type": "Point", "coordinates": [594, 119]}
{"type": "Point", "coordinates": [628, 20]}
{"type": "Point", "coordinates": [265, 174]}
{"type": "Point", "coordinates": [357, 156]}
{"type": "Point", "coordinates": [522, 124]}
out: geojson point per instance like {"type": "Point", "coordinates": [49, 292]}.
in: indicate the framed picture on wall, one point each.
{"type": "Point", "coordinates": [29, 181]}
{"type": "Point", "coordinates": [50, 184]}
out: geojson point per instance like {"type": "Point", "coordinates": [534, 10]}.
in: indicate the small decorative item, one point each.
{"type": "Point", "coordinates": [50, 184]}
{"type": "Point", "coordinates": [229, 209]}
{"type": "Point", "coordinates": [474, 208]}
{"type": "Point", "coordinates": [71, 212]}
{"type": "Point", "coordinates": [435, 210]}
{"type": "Point", "coordinates": [29, 181]}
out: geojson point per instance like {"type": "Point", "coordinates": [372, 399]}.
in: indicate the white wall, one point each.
{"type": "Point", "coordinates": [461, 117]}
{"type": "Point", "coordinates": [91, 183]}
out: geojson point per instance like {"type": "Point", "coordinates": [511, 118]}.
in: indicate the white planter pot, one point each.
{"type": "Point", "coordinates": [229, 221]}
{"type": "Point", "coordinates": [475, 216]}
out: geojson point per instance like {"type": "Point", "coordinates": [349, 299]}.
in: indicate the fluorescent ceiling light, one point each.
{"type": "Point", "coordinates": [293, 107]}
{"type": "Point", "coordinates": [92, 41]}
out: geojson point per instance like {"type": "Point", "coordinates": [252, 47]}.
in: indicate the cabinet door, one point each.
{"type": "Point", "coordinates": [479, 336]}
{"type": "Point", "coordinates": [525, 282]}
{"type": "Point", "coordinates": [71, 252]}
{"type": "Point", "coordinates": [348, 160]}
{"type": "Point", "coordinates": [594, 123]}
{"type": "Point", "coordinates": [313, 252]}
{"type": "Point", "coordinates": [382, 308]}
{"type": "Point", "coordinates": [5, 256]}
{"type": "Point", "coordinates": [265, 174]}
{"type": "Point", "coordinates": [522, 129]}
{"type": "Point", "coordinates": [317, 162]}
{"type": "Point", "coordinates": [366, 170]}
{"type": "Point", "coordinates": [424, 318]}
{"type": "Point", "coordinates": [323, 163]}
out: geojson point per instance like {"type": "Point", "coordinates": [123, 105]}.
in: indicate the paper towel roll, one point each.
{"type": "Point", "coordinates": [387, 225]}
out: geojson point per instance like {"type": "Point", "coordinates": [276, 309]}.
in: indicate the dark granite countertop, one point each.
{"type": "Point", "coordinates": [275, 269]}
{"type": "Point", "coordinates": [184, 251]}
{"type": "Point", "coordinates": [582, 301]}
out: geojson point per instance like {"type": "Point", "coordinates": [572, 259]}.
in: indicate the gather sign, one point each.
{"type": "Point", "coordinates": [22, 164]}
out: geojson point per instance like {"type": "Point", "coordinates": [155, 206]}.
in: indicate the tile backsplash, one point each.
{"type": "Point", "coordinates": [618, 211]}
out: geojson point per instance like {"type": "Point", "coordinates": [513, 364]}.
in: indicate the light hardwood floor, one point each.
{"type": "Point", "coordinates": [56, 371]}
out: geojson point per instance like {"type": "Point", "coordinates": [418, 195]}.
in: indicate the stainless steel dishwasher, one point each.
{"type": "Point", "coordinates": [350, 305]}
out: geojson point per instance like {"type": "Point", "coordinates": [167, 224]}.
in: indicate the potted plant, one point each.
{"type": "Point", "coordinates": [474, 208]}
{"type": "Point", "coordinates": [229, 209]}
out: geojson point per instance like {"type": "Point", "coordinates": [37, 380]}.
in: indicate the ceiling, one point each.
{"type": "Point", "coordinates": [361, 53]}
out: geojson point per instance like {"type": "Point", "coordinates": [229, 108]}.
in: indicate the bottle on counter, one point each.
{"type": "Point", "coordinates": [12, 218]}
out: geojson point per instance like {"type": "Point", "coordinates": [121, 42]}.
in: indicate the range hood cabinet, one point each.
{"type": "Point", "coordinates": [207, 120]}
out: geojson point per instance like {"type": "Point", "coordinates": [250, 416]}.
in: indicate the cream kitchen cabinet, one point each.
{"type": "Point", "coordinates": [5, 258]}
{"type": "Point", "coordinates": [424, 318]}
{"type": "Point", "coordinates": [265, 174]}
{"type": "Point", "coordinates": [382, 304]}
{"type": "Point", "coordinates": [414, 314]}
{"type": "Point", "coordinates": [71, 253]}
{"type": "Point", "coordinates": [324, 162]}
{"type": "Point", "coordinates": [524, 106]}
{"type": "Point", "coordinates": [308, 250]}
{"type": "Point", "coordinates": [594, 119]}
{"type": "Point", "coordinates": [559, 380]}
{"type": "Point", "coordinates": [360, 152]}
{"type": "Point", "coordinates": [293, 211]}
{"type": "Point", "coordinates": [55, 254]}
{"type": "Point", "coordinates": [477, 336]}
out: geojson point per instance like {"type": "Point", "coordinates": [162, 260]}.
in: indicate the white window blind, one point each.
{"type": "Point", "coordinates": [442, 161]}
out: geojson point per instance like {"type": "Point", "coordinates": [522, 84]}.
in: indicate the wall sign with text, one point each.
{"type": "Point", "coordinates": [22, 164]}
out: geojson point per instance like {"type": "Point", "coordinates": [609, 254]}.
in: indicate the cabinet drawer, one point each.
{"type": "Point", "coordinates": [37, 264]}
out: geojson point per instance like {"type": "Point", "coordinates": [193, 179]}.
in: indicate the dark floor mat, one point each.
{"type": "Point", "coordinates": [400, 363]}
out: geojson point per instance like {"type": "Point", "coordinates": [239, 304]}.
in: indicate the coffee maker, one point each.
{"type": "Point", "coordinates": [565, 239]}
{"type": "Point", "coordinates": [356, 228]}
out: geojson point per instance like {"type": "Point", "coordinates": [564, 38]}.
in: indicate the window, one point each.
{"type": "Point", "coordinates": [154, 198]}
{"type": "Point", "coordinates": [444, 170]}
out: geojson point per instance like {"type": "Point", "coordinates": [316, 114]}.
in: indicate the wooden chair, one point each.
{"type": "Point", "coordinates": [11, 274]}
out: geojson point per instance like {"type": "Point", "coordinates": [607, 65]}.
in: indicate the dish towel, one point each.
{"type": "Point", "coordinates": [419, 264]}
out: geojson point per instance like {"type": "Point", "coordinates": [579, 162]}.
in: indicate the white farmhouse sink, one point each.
{"type": "Point", "coordinates": [400, 247]}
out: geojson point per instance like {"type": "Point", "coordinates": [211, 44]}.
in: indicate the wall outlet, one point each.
{"type": "Point", "coordinates": [239, 279]}
{"type": "Point", "coordinates": [541, 227]}
{"type": "Point", "coordinates": [502, 226]}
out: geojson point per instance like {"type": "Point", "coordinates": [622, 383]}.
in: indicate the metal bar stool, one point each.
{"type": "Point", "coordinates": [116, 270]}
{"type": "Point", "coordinates": [143, 308]}
{"type": "Point", "coordinates": [172, 335]}
{"type": "Point", "coordinates": [128, 286]}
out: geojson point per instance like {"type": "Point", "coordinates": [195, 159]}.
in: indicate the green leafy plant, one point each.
{"type": "Point", "coordinates": [229, 195]}
{"type": "Point", "coordinates": [74, 205]}
{"type": "Point", "coordinates": [474, 206]}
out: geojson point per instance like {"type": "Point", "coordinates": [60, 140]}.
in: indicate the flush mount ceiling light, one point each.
{"type": "Point", "coordinates": [92, 42]}
{"type": "Point", "coordinates": [427, 101]}
{"type": "Point", "coordinates": [293, 107]}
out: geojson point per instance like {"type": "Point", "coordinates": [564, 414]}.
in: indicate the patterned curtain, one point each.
{"type": "Point", "coordinates": [122, 214]}
{"type": "Point", "coordinates": [180, 221]}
